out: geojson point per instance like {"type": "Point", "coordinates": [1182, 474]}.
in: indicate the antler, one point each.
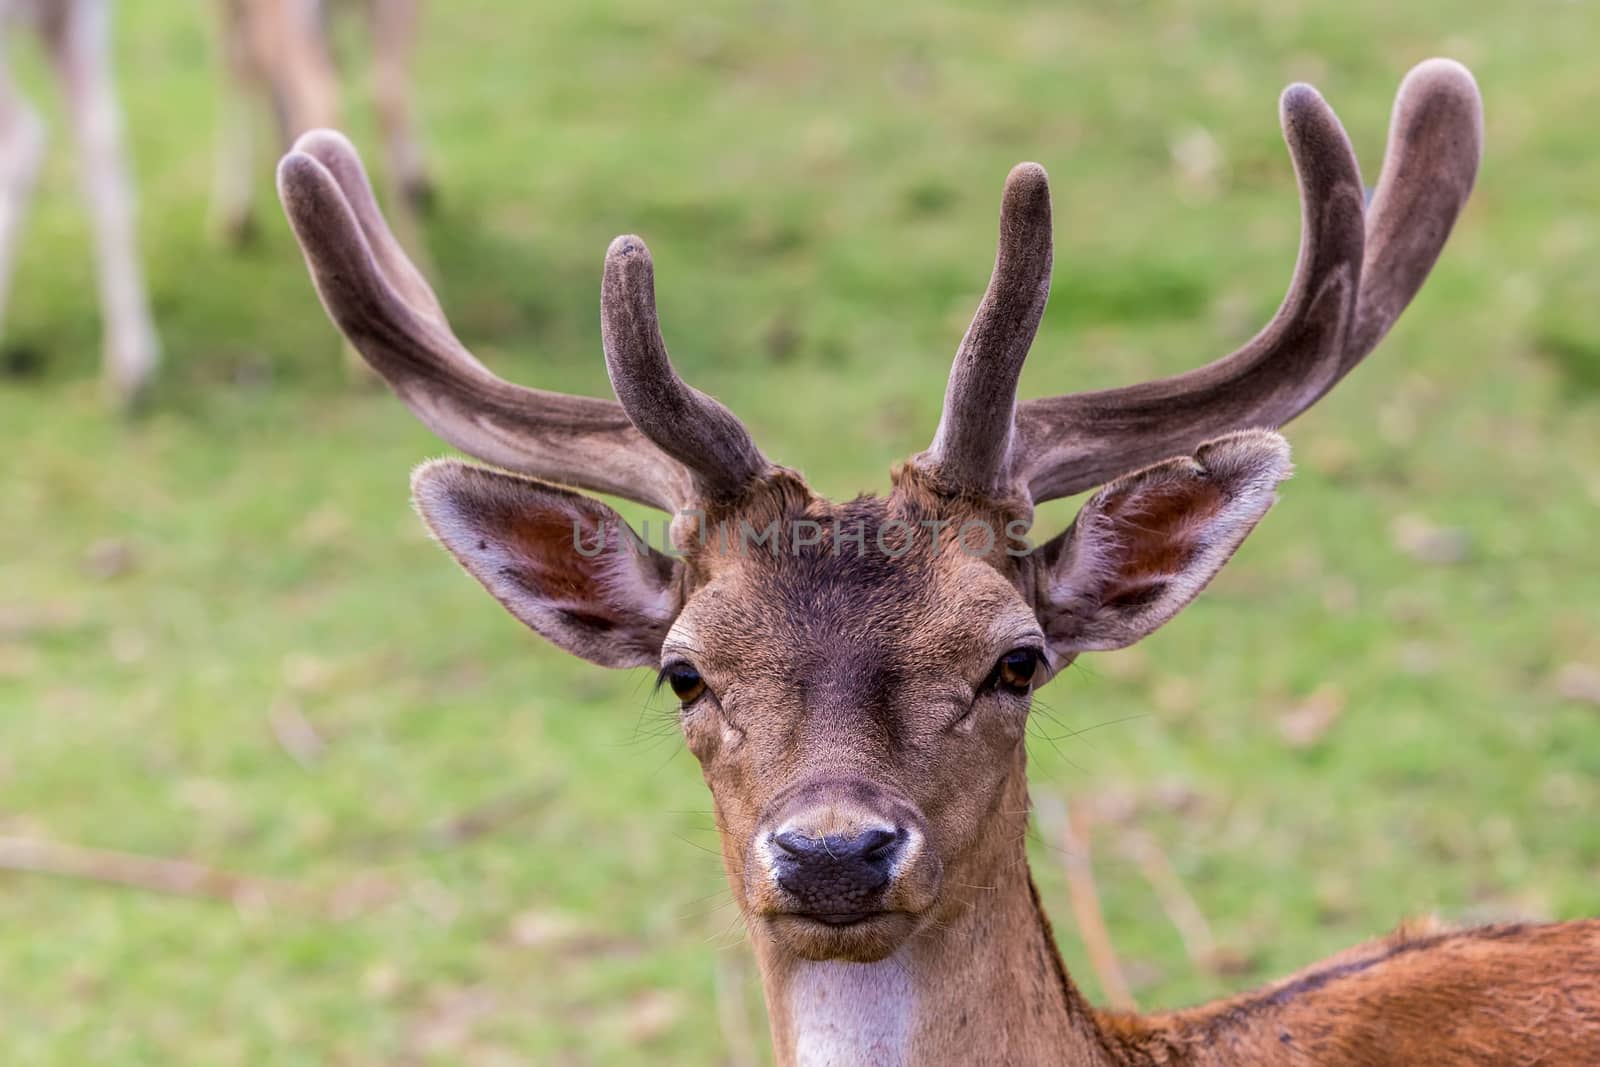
{"type": "Point", "coordinates": [973, 440]}
{"type": "Point", "coordinates": [686, 423]}
{"type": "Point", "coordinates": [1356, 272]}
{"type": "Point", "coordinates": [665, 445]}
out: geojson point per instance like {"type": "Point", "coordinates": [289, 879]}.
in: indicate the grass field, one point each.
{"type": "Point", "coordinates": [1385, 707]}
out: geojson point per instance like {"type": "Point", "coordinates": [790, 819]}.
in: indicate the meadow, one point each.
{"type": "Point", "coordinates": [225, 638]}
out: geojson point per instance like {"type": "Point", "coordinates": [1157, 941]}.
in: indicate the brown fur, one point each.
{"type": "Point", "coordinates": [1514, 994]}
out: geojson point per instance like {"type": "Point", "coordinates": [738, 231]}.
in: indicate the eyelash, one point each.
{"type": "Point", "coordinates": [1027, 667]}
{"type": "Point", "coordinates": [693, 687]}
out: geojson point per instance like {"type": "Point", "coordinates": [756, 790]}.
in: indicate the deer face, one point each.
{"type": "Point", "coordinates": [857, 718]}
{"type": "Point", "coordinates": [856, 685]}
{"type": "Point", "coordinates": [859, 709]}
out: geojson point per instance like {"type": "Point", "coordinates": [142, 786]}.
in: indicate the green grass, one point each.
{"type": "Point", "coordinates": [819, 185]}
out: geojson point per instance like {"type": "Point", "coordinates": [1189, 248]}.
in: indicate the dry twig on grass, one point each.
{"type": "Point", "coordinates": [1176, 901]}
{"type": "Point", "coordinates": [185, 878]}
{"type": "Point", "coordinates": [1085, 897]}
{"type": "Point", "coordinates": [492, 815]}
{"type": "Point", "coordinates": [294, 732]}
{"type": "Point", "coordinates": [156, 875]}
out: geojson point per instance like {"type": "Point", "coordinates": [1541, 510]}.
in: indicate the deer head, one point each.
{"type": "Point", "coordinates": [855, 677]}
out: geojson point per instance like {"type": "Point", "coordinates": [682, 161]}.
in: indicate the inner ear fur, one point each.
{"type": "Point", "coordinates": [1145, 545]}
{"type": "Point", "coordinates": [564, 564]}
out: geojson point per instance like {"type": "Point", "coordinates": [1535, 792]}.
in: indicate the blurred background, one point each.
{"type": "Point", "coordinates": [427, 837]}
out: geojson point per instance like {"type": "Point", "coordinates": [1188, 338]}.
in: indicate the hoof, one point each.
{"type": "Point", "coordinates": [130, 370]}
{"type": "Point", "coordinates": [237, 232]}
{"type": "Point", "coordinates": [420, 192]}
{"type": "Point", "coordinates": [20, 359]}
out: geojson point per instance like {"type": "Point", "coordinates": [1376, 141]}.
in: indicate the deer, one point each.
{"type": "Point", "coordinates": [75, 34]}
{"type": "Point", "coordinates": [279, 51]}
{"type": "Point", "coordinates": [857, 699]}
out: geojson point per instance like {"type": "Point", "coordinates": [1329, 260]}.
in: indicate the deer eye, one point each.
{"type": "Point", "coordinates": [686, 683]}
{"type": "Point", "coordinates": [1015, 670]}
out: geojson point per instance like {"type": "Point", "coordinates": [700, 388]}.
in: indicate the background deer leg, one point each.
{"type": "Point", "coordinates": [234, 179]}
{"type": "Point", "coordinates": [306, 91]}
{"type": "Point", "coordinates": [304, 83]}
{"type": "Point", "coordinates": [394, 40]}
{"type": "Point", "coordinates": [79, 49]}
{"type": "Point", "coordinates": [22, 142]}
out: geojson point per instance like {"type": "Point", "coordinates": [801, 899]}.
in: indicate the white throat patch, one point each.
{"type": "Point", "coordinates": [851, 1014]}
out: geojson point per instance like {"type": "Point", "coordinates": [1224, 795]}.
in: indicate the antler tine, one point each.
{"type": "Point", "coordinates": [1429, 165]}
{"type": "Point", "coordinates": [683, 422]}
{"type": "Point", "coordinates": [1355, 275]}
{"type": "Point", "coordinates": [971, 448]}
{"type": "Point", "coordinates": [333, 150]}
{"type": "Point", "coordinates": [1069, 443]}
{"type": "Point", "coordinates": [382, 304]}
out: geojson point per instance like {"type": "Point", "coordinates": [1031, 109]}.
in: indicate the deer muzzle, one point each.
{"type": "Point", "coordinates": [840, 869]}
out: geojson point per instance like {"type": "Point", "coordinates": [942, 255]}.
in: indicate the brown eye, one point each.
{"type": "Point", "coordinates": [1016, 669]}
{"type": "Point", "coordinates": [686, 683]}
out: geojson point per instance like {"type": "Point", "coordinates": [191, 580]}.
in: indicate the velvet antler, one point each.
{"type": "Point", "coordinates": [1357, 270]}
{"type": "Point", "coordinates": [665, 445]}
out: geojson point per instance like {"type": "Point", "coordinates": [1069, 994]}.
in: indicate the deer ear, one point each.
{"type": "Point", "coordinates": [566, 565]}
{"type": "Point", "coordinates": [1145, 545]}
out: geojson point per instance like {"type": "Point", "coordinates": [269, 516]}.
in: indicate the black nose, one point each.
{"type": "Point", "coordinates": [836, 877]}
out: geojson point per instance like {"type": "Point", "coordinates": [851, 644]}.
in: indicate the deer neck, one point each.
{"type": "Point", "coordinates": [982, 983]}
